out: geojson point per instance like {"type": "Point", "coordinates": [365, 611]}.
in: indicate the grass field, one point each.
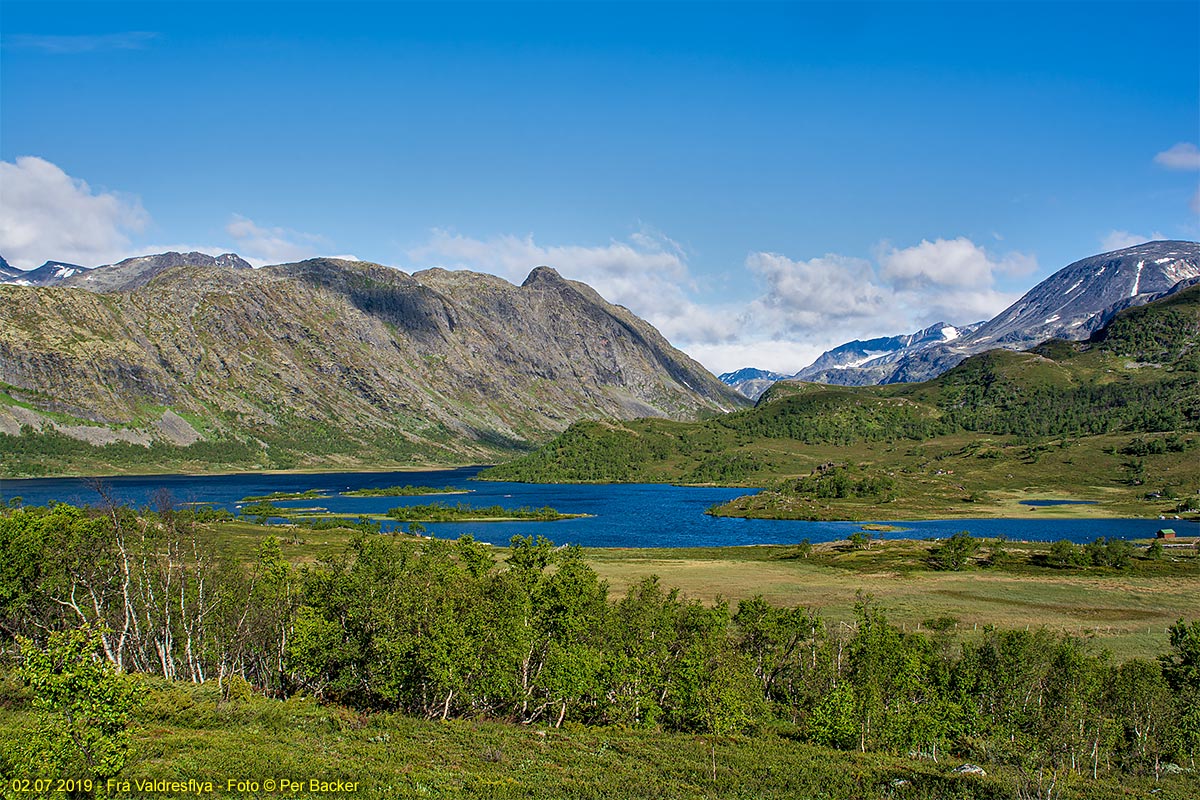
{"type": "Point", "coordinates": [1126, 611]}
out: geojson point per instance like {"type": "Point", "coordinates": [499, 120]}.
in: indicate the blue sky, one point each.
{"type": "Point", "coordinates": [761, 181]}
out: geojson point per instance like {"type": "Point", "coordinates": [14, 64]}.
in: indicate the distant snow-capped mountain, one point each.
{"type": "Point", "coordinates": [856, 363]}
{"type": "Point", "coordinates": [8, 271]}
{"type": "Point", "coordinates": [1070, 304]}
{"type": "Point", "coordinates": [859, 363]}
{"type": "Point", "coordinates": [51, 273]}
{"type": "Point", "coordinates": [132, 273]}
{"type": "Point", "coordinates": [1080, 298]}
{"type": "Point", "coordinates": [124, 276]}
{"type": "Point", "coordinates": [750, 381]}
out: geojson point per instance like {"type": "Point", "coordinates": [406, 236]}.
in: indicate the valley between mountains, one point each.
{"type": "Point", "coordinates": [189, 362]}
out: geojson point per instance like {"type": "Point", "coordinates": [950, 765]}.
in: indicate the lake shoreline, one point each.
{"type": "Point", "coordinates": [1008, 508]}
{"type": "Point", "coordinates": [616, 515]}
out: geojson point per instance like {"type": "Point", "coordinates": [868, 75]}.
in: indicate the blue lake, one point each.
{"type": "Point", "coordinates": [623, 515]}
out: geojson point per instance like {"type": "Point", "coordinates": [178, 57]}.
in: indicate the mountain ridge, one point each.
{"type": "Point", "coordinates": [329, 361]}
{"type": "Point", "coordinates": [135, 272]}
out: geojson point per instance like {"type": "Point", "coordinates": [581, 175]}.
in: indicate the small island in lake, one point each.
{"type": "Point", "coordinates": [461, 512]}
{"type": "Point", "coordinates": [404, 491]}
{"type": "Point", "coordinates": [308, 494]}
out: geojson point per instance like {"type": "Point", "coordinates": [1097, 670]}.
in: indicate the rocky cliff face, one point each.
{"type": "Point", "coordinates": [328, 358]}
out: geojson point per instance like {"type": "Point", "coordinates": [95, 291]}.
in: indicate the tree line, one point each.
{"type": "Point", "coordinates": [443, 630]}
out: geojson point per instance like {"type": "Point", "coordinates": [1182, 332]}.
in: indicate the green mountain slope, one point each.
{"type": "Point", "coordinates": [1065, 417]}
{"type": "Point", "coordinates": [322, 364]}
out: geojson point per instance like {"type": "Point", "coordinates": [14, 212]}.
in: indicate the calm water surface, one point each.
{"type": "Point", "coordinates": [624, 515]}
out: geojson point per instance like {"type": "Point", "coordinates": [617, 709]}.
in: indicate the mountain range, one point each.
{"type": "Point", "coordinates": [1071, 304]}
{"type": "Point", "coordinates": [1063, 419]}
{"type": "Point", "coordinates": [181, 360]}
{"type": "Point", "coordinates": [325, 361]}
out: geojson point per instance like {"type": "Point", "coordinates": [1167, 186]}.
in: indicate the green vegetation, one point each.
{"type": "Point", "coordinates": [83, 709]}
{"type": "Point", "coordinates": [192, 731]}
{"type": "Point", "coordinates": [1127, 611]}
{"type": "Point", "coordinates": [461, 512]}
{"type": "Point", "coordinates": [407, 490]}
{"type": "Point", "coordinates": [263, 509]}
{"type": "Point", "coordinates": [310, 494]}
{"type": "Point", "coordinates": [290, 445]}
{"type": "Point", "coordinates": [387, 632]}
{"type": "Point", "coordinates": [45, 452]}
{"type": "Point", "coordinates": [1114, 420]}
{"type": "Point", "coordinates": [955, 552]}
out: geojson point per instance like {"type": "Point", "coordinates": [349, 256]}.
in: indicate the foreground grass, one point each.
{"type": "Point", "coordinates": [187, 732]}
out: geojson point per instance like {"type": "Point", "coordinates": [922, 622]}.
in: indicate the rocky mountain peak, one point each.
{"type": "Point", "coordinates": [133, 273]}
{"type": "Point", "coordinates": [7, 270]}
{"type": "Point", "coordinates": [1081, 297]}
{"type": "Point", "coordinates": [543, 275]}
{"type": "Point", "coordinates": [1070, 304]}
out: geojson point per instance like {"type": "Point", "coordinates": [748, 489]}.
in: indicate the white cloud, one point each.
{"type": "Point", "coordinates": [1182, 156]}
{"type": "Point", "coordinates": [45, 214]}
{"type": "Point", "coordinates": [786, 356]}
{"type": "Point", "coordinates": [513, 256]}
{"type": "Point", "coordinates": [956, 306]}
{"type": "Point", "coordinates": [948, 262]}
{"type": "Point", "coordinates": [262, 245]}
{"type": "Point", "coordinates": [951, 280]}
{"type": "Point", "coordinates": [1119, 240]}
{"type": "Point", "coordinates": [827, 301]}
{"type": "Point", "coordinates": [806, 296]}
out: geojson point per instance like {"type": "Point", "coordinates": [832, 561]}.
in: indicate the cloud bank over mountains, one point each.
{"type": "Point", "coordinates": [46, 214]}
{"type": "Point", "coordinates": [799, 310]}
